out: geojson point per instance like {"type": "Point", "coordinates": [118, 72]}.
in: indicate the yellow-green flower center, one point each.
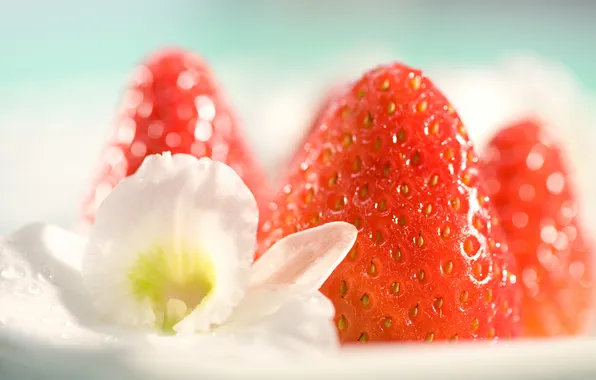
{"type": "Point", "coordinates": [175, 282]}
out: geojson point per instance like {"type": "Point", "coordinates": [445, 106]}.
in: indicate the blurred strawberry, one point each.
{"type": "Point", "coordinates": [392, 157]}
{"type": "Point", "coordinates": [528, 181]}
{"type": "Point", "coordinates": [174, 104]}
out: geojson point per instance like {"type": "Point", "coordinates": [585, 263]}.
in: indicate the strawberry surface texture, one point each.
{"type": "Point", "coordinates": [391, 156]}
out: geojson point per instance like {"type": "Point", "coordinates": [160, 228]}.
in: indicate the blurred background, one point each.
{"type": "Point", "coordinates": [64, 63]}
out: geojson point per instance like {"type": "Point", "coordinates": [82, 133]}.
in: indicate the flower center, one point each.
{"type": "Point", "coordinates": [175, 282]}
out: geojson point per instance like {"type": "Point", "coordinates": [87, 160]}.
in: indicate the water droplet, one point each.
{"type": "Point", "coordinates": [143, 76]}
{"type": "Point", "coordinates": [530, 277]}
{"type": "Point", "coordinates": [220, 152]}
{"type": "Point", "coordinates": [205, 107]}
{"type": "Point", "coordinates": [173, 139]}
{"type": "Point", "coordinates": [133, 98]}
{"type": "Point", "coordinates": [562, 242]}
{"type": "Point", "coordinates": [568, 210]}
{"type": "Point", "coordinates": [47, 275]}
{"type": "Point", "coordinates": [186, 79]}
{"type": "Point", "coordinates": [203, 130]}
{"type": "Point", "coordinates": [223, 124]}
{"type": "Point", "coordinates": [138, 149]}
{"type": "Point", "coordinates": [145, 109]}
{"type": "Point", "coordinates": [571, 232]}
{"type": "Point", "coordinates": [13, 272]}
{"type": "Point", "coordinates": [155, 130]}
{"type": "Point", "coordinates": [548, 234]}
{"type": "Point", "coordinates": [576, 269]}
{"type": "Point", "coordinates": [535, 160]}
{"type": "Point", "coordinates": [266, 226]}
{"type": "Point", "coordinates": [492, 186]}
{"type": "Point", "coordinates": [526, 192]}
{"type": "Point", "coordinates": [124, 135]}
{"type": "Point", "coordinates": [34, 289]}
{"type": "Point", "coordinates": [520, 219]}
{"type": "Point", "coordinates": [555, 183]}
{"type": "Point", "coordinates": [545, 254]}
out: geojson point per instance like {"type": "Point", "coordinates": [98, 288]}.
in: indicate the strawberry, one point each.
{"type": "Point", "coordinates": [531, 190]}
{"type": "Point", "coordinates": [392, 157]}
{"type": "Point", "coordinates": [174, 104]}
{"type": "Point", "coordinates": [326, 101]}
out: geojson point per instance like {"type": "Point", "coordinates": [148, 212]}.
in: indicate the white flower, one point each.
{"type": "Point", "coordinates": [168, 267]}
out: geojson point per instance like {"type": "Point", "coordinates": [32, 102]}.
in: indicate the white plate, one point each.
{"type": "Point", "coordinates": [547, 359]}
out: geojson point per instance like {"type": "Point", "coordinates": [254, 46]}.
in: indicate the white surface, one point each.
{"type": "Point", "coordinates": [570, 360]}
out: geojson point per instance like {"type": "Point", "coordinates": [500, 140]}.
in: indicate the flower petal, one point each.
{"type": "Point", "coordinates": [305, 258]}
{"type": "Point", "coordinates": [183, 209]}
{"type": "Point", "coordinates": [259, 303]}
{"type": "Point", "coordinates": [157, 167]}
{"type": "Point", "coordinates": [304, 323]}
{"type": "Point", "coordinates": [286, 318]}
{"type": "Point", "coordinates": [268, 325]}
{"type": "Point", "coordinates": [41, 291]}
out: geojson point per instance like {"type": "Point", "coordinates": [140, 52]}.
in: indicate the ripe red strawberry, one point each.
{"type": "Point", "coordinates": [534, 196]}
{"type": "Point", "coordinates": [392, 157]}
{"type": "Point", "coordinates": [174, 104]}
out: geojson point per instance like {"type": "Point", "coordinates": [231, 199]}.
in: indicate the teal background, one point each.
{"type": "Point", "coordinates": [64, 63]}
{"type": "Point", "coordinates": [60, 39]}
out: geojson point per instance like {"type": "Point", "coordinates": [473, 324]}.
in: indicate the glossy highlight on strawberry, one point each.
{"type": "Point", "coordinates": [173, 104]}
{"type": "Point", "coordinates": [391, 156]}
{"type": "Point", "coordinates": [528, 180]}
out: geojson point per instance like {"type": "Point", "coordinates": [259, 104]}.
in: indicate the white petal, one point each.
{"type": "Point", "coordinates": [286, 318]}
{"type": "Point", "coordinates": [305, 258]}
{"type": "Point", "coordinates": [41, 292]}
{"type": "Point", "coordinates": [304, 323]}
{"type": "Point", "coordinates": [278, 324]}
{"type": "Point", "coordinates": [177, 203]}
{"type": "Point", "coordinates": [157, 167]}
{"type": "Point", "coordinates": [259, 303]}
